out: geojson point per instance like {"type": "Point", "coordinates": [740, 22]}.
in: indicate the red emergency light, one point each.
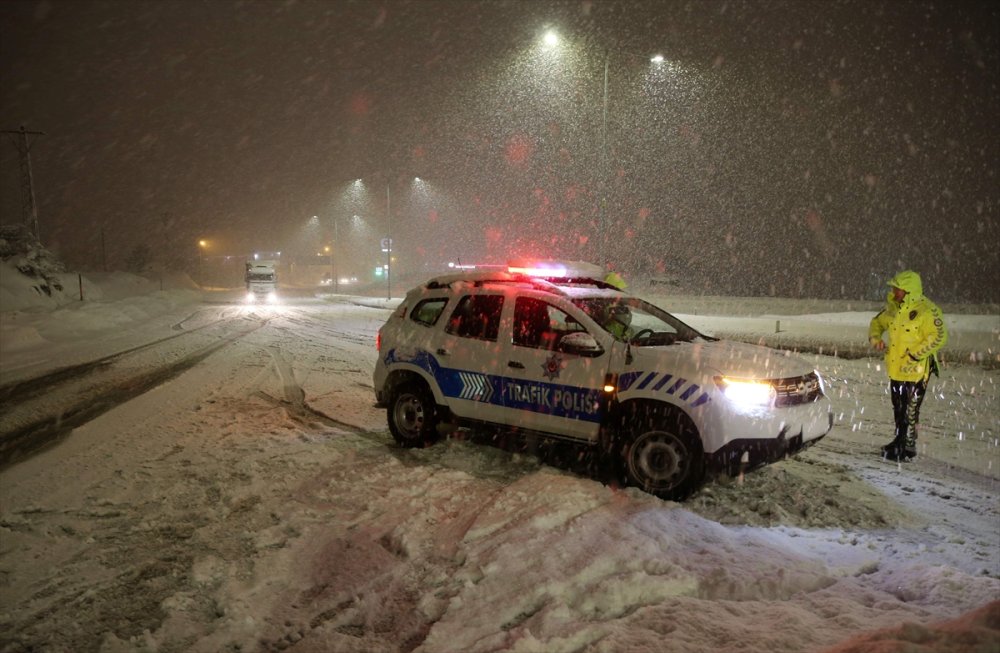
{"type": "Point", "coordinates": [556, 269]}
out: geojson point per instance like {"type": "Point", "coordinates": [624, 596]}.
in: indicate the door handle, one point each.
{"type": "Point", "coordinates": [442, 351]}
{"type": "Point", "coordinates": [515, 365]}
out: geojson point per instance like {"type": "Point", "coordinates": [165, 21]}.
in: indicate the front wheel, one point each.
{"type": "Point", "coordinates": [663, 454]}
{"type": "Point", "coordinates": [412, 415]}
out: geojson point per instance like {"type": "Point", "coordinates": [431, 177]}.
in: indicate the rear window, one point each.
{"type": "Point", "coordinates": [428, 311]}
{"type": "Point", "coordinates": [477, 316]}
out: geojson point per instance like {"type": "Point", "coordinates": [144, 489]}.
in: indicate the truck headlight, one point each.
{"type": "Point", "coordinates": [746, 392]}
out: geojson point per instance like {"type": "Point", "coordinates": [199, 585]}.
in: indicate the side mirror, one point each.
{"type": "Point", "coordinates": [580, 344]}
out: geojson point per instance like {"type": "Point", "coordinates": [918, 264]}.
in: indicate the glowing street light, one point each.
{"type": "Point", "coordinates": [333, 265]}
{"type": "Point", "coordinates": [550, 40]}
{"type": "Point", "coordinates": [202, 246]}
{"type": "Point", "coordinates": [386, 244]}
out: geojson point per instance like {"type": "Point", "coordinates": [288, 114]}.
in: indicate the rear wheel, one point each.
{"type": "Point", "coordinates": [412, 415]}
{"type": "Point", "coordinates": [662, 453]}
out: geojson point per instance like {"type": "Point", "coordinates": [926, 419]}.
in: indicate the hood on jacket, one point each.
{"type": "Point", "coordinates": [909, 281]}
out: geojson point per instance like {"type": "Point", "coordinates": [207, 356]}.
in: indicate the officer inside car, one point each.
{"type": "Point", "coordinates": [618, 321]}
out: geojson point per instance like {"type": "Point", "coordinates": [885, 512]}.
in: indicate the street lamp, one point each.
{"type": "Point", "coordinates": [333, 264]}
{"type": "Point", "coordinates": [549, 41]}
{"type": "Point", "coordinates": [656, 59]}
{"type": "Point", "coordinates": [202, 244]}
{"type": "Point", "coordinates": [388, 228]}
{"type": "Point", "coordinates": [333, 270]}
{"type": "Point", "coordinates": [386, 244]}
{"type": "Point", "coordinates": [330, 250]}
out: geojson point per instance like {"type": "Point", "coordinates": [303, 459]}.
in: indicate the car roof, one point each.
{"type": "Point", "coordinates": [563, 286]}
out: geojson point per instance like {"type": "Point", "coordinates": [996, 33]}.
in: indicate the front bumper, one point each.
{"type": "Point", "coordinates": [745, 454]}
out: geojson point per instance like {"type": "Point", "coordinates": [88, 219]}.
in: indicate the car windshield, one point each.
{"type": "Point", "coordinates": [630, 319]}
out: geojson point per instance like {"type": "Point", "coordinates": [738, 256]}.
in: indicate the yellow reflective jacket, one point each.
{"type": "Point", "coordinates": [916, 330]}
{"type": "Point", "coordinates": [616, 280]}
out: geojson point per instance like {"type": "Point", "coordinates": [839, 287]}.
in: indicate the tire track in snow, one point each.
{"type": "Point", "coordinates": [43, 417]}
{"type": "Point", "coordinates": [13, 393]}
{"type": "Point", "coordinates": [294, 399]}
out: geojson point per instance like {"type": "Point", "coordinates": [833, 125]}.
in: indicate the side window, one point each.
{"type": "Point", "coordinates": [477, 316]}
{"type": "Point", "coordinates": [428, 311]}
{"type": "Point", "coordinates": [539, 324]}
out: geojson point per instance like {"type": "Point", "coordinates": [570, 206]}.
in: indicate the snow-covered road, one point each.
{"type": "Point", "coordinates": [254, 501]}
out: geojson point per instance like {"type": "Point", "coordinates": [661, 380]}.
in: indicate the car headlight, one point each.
{"type": "Point", "coordinates": [251, 298]}
{"type": "Point", "coordinates": [746, 392]}
{"type": "Point", "coordinates": [822, 384]}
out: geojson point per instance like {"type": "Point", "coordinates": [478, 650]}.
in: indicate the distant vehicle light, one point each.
{"type": "Point", "coordinates": [251, 298]}
{"type": "Point", "coordinates": [272, 298]}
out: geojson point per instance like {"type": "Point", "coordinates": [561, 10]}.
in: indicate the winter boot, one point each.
{"type": "Point", "coordinates": [891, 451]}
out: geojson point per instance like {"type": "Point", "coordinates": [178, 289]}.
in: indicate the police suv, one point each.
{"type": "Point", "coordinates": [553, 350]}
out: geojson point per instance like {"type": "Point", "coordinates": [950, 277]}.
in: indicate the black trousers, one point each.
{"type": "Point", "coordinates": [906, 399]}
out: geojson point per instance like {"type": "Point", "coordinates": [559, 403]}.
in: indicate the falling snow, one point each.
{"type": "Point", "coordinates": [790, 148]}
{"type": "Point", "coordinates": [254, 499]}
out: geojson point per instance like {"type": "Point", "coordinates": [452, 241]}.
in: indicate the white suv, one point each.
{"type": "Point", "coordinates": [555, 351]}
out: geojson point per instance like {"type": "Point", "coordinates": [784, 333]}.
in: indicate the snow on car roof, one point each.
{"type": "Point", "coordinates": [575, 291]}
{"type": "Point", "coordinates": [482, 277]}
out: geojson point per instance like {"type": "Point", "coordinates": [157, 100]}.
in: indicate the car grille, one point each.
{"type": "Point", "coordinates": [797, 390]}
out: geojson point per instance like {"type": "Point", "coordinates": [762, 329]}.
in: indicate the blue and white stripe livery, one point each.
{"type": "Point", "coordinates": [662, 382]}
{"type": "Point", "coordinates": [556, 399]}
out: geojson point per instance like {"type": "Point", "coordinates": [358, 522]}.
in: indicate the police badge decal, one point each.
{"type": "Point", "coordinates": [552, 366]}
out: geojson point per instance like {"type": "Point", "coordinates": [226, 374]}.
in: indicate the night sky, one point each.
{"type": "Point", "coordinates": [795, 147]}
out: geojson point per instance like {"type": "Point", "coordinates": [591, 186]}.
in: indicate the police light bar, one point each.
{"type": "Point", "coordinates": [475, 266]}
{"type": "Point", "coordinates": [556, 269]}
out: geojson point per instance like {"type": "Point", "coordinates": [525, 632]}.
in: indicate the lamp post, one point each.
{"type": "Point", "coordinates": [331, 249]}
{"type": "Point", "coordinates": [202, 244]}
{"type": "Point", "coordinates": [551, 40]}
{"type": "Point", "coordinates": [388, 244]}
{"type": "Point", "coordinates": [386, 241]}
{"type": "Point", "coordinates": [333, 263]}
{"type": "Point", "coordinates": [655, 59]}
{"type": "Point", "coordinates": [604, 170]}
{"type": "Point", "coordinates": [333, 270]}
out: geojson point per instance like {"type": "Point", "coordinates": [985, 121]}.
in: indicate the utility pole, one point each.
{"type": "Point", "coordinates": [29, 211]}
{"type": "Point", "coordinates": [388, 248]}
{"type": "Point", "coordinates": [333, 256]}
{"type": "Point", "coordinates": [601, 217]}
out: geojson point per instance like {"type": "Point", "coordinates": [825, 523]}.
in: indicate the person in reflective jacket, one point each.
{"type": "Point", "coordinates": [916, 332]}
{"type": "Point", "coordinates": [618, 321]}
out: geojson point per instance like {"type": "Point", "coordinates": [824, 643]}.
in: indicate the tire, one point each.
{"type": "Point", "coordinates": [662, 453]}
{"type": "Point", "coordinates": [412, 415]}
